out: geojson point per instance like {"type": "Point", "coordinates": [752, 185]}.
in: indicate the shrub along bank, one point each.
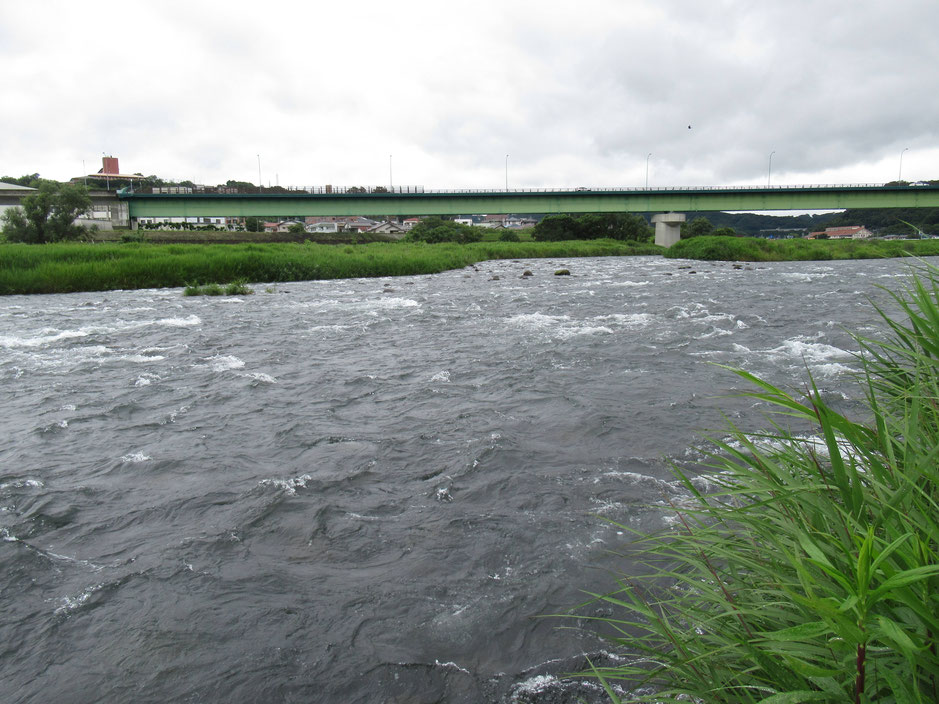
{"type": "Point", "coordinates": [62, 268]}
{"type": "Point", "coordinates": [756, 249]}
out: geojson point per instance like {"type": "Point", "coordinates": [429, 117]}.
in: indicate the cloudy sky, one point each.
{"type": "Point", "coordinates": [438, 93]}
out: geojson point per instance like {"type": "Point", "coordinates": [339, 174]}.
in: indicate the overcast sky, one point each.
{"type": "Point", "coordinates": [575, 93]}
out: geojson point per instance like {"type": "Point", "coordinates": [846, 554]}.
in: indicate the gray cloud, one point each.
{"type": "Point", "coordinates": [574, 94]}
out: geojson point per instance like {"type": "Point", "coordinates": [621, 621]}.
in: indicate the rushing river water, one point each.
{"type": "Point", "coordinates": [367, 490]}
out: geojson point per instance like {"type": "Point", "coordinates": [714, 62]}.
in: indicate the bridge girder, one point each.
{"type": "Point", "coordinates": [519, 202]}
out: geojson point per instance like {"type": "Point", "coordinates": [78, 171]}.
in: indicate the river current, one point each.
{"type": "Point", "coordinates": [369, 490]}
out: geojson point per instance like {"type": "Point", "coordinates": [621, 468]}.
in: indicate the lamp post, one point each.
{"type": "Point", "coordinates": [647, 168]}
{"type": "Point", "coordinates": [259, 174]}
{"type": "Point", "coordinates": [900, 174]}
{"type": "Point", "coordinates": [391, 181]}
{"type": "Point", "coordinates": [506, 172]}
{"type": "Point", "coordinates": [769, 173]}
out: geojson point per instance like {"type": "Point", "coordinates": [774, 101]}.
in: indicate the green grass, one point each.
{"type": "Point", "coordinates": [811, 573]}
{"type": "Point", "coordinates": [756, 249]}
{"type": "Point", "coordinates": [235, 288]}
{"type": "Point", "coordinates": [61, 268]}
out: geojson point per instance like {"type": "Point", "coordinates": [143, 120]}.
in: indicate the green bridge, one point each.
{"type": "Point", "coordinates": [415, 202]}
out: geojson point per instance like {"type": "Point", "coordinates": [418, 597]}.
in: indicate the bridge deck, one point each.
{"type": "Point", "coordinates": [652, 200]}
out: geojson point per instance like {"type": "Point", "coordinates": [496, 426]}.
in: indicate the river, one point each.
{"type": "Point", "coordinates": [369, 490]}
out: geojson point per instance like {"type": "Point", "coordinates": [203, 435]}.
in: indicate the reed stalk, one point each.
{"type": "Point", "coordinates": [811, 571]}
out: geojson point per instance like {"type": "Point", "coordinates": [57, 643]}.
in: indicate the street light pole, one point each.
{"type": "Point", "coordinates": [391, 181]}
{"type": "Point", "coordinates": [260, 186]}
{"type": "Point", "coordinates": [900, 174]}
{"type": "Point", "coordinates": [769, 173]}
{"type": "Point", "coordinates": [506, 172]}
{"type": "Point", "coordinates": [647, 169]}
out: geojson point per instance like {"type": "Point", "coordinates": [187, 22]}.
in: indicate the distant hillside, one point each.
{"type": "Point", "coordinates": [888, 221]}
{"type": "Point", "coordinates": [752, 224]}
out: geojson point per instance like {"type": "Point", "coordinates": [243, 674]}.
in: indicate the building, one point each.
{"type": "Point", "coordinates": [286, 225]}
{"type": "Point", "coordinates": [852, 232]}
{"type": "Point", "coordinates": [343, 223]}
{"type": "Point", "coordinates": [388, 227]}
{"type": "Point", "coordinates": [110, 171]}
{"type": "Point", "coordinates": [10, 194]}
{"type": "Point", "coordinates": [224, 223]}
{"type": "Point", "coordinates": [322, 227]}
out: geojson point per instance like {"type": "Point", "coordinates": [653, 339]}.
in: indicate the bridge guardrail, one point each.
{"type": "Point", "coordinates": [421, 190]}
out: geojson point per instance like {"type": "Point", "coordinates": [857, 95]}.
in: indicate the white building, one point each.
{"type": "Point", "coordinates": [322, 227]}
{"type": "Point", "coordinates": [10, 193]}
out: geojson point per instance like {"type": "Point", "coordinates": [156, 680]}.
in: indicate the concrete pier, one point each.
{"type": "Point", "coordinates": [667, 228]}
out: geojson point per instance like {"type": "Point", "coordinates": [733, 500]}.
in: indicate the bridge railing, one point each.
{"type": "Point", "coordinates": [329, 190]}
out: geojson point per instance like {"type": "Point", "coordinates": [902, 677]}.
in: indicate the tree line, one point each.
{"type": "Point", "coordinates": [48, 214]}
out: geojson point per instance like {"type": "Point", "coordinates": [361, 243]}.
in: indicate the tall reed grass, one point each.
{"type": "Point", "coordinates": [811, 572]}
{"type": "Point", "coordinates": [60, 268]}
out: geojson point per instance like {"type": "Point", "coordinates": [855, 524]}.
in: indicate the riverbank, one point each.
{"type": "Point", "coordinates": [67, 268]}
{"type": "Point", "coordinates": [72, 267]}
{"type": "Point", "coordinates": [756, 249]}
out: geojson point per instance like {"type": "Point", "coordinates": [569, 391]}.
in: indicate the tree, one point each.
{"type": "Point", "coordinates": [27, 180]}
{"type": "Point", "coordinates": [296, 229]}
{"type": "Point", "coordinates": [591, 226]}
{"type": "Point", "coordinates": [554, 228]}
{"type": "Point", "coordinates": [246, 186]}
{"type": "Point", "coordinates": [627, 226]}
{"type": "Point", "coordinates": [48, 215]}
{"type": "Point", "coordinates": [435, 229]}
{"type": "Point", "coordinates": [253, 224]}
{"type": "Point", "coordinates": [699, 227]}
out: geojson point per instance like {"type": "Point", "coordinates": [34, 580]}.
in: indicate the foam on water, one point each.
{"type": "Point", "coordinates": [261, 378]}
{"type": "Point", "coordinates": [814, 352]}
{"type": "Point", "coordinates": [187, 322]}
{"type": "Point", "coordinates": [538, 321]}
{"type": "Point", "coordinates": [224, 363]}
{"type": "Point", "coordinates": [73, 603]}
{"type": "Point", "coordinates": [288, 486]}
{"type": "Point", "coordinates": [631, 283]}
{"type": "Point", "coordinates": [628, 320]}
{"type": "Point", "coordinates": [45, 337]}
{"type": "Point", "coordinates": [22, 484]}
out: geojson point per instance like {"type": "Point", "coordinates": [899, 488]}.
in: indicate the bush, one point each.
{"type": "Point", "coordinates": [811, 573]}
{"type": "Point", "coordinates": [592, 226]}
{"type": "Point", "coordinates": [235, 288]}
{"type": "Point", "coordinates": [435, 230]}
{"type": "Point", "coordinates": [756, 249]}
{"type": "Point", "coordinates": [48, 215]}
{"type": "Point", "coordinates": [509, 236]}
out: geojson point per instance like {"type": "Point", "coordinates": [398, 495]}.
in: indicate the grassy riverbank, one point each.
{"type": "Point", "coordinates": [755, 249]}
{"type": "Point", "coordinates": [810, 571]}
{"type": "Point", "coordinates": [63, 268]}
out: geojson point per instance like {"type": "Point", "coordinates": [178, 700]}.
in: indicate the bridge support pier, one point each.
{"type": "Point", "coordinates": [667, 228]}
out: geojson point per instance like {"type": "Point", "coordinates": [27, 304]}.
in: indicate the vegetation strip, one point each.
{"type": "Point", "coordinates": [72, 267]}
{"type": "Point", "coordinates": [756, 249]}
{"type": "Point", "coordinates": [811, 572]}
